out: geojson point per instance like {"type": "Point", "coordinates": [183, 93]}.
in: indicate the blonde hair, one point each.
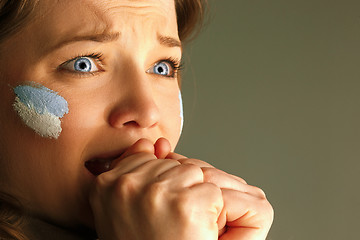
{"type": "Point", "coordinates": [15, 14]}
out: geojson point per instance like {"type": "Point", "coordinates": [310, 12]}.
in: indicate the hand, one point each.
{"type": "Point", "coordinates": [146, 198]}
{"type": "Point", "coordinates": [247, 214]}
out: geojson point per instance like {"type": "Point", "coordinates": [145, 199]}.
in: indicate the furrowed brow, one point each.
{"type": "Point", "coordinates": [103, 37]}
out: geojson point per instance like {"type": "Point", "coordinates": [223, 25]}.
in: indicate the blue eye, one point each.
{"type": "Point", "coordinates": [166, 68]}
{"type": "Point", "coordinates": [82, 65]}
{"type": "Point", "coordinates": [162, 68]}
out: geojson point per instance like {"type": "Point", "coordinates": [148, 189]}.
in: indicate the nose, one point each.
{"type": "Point", "coordinates": [137, 105]}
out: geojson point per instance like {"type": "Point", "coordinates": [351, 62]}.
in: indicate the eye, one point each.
{"type": "Point", "coordinates": [162, 68]}
{"type": "Point", "coordinates": [88, 64]}
{"type": "Point", "coordinates": [166, 68]}
{"type": "Point", "coordinates": [81, 64]}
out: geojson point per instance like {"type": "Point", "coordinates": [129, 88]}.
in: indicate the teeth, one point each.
{"type": "Point", "coordinates": [107, 165]}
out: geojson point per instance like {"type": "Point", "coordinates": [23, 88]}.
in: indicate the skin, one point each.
{"type": "Point", "coordinates": [124, 110]}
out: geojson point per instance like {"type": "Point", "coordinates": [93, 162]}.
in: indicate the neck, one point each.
{"type": "Point", "coordinates": [39, 229]}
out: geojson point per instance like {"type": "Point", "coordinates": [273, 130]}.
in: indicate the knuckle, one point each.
{"type": "Point", "coordinates": [154, 196]}
{"type": "Point", "coordinates": [184, 197]}
{"type": "Point", "coordinates": [145, 155]}
{"type": "Point", "coordinates": [258, 192]}
{"type": "Point", "coordinates": [194, 162]}
{"type": "Point", "coordinates": [100, 189]}
{"type": "Point", "coordinates": [265, 208]}
{"type": "Point", "coordinates": [209, 173]}
{"type": "Point", "coordinates": [268, 211]}
{"type": "Point", "coordinates": [211, 188]}
{"type": "Point", "coordinates": [184, 202]}
{"type": "Point", "coordinates": [101, 183]}
{"type": "Point", "coordinates": [206, 198]}
{"type": "Point", "coordinates": [186, 161]}
{"type": "Point", "coordinates": [192, 168]}
{"type": "Point", "coordinates": [241, 180]}
{"type": "Point", "coordinates": [155, 190]}
{"type": "Point", "coordinates": [126, 185]}
{"type": "Point", "coordinates": [193, 172]}
{"type": "Point", "coordinates": [171, 161]}
{"type": "Point", "coordinates": [183, 206]}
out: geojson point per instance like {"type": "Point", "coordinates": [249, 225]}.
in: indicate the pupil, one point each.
{"type": "Point", "coordinates": [161, 70]}
{"type": "Point", "coordinates": [83, 65]}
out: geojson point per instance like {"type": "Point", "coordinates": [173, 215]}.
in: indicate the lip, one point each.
{"type": "Point", "coordinates": [101, 163]}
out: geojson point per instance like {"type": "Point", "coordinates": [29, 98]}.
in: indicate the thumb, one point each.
{"type": "Point", "coordinates": [143, 145]}
{"type": "Point", "coordinates": [162, 148]}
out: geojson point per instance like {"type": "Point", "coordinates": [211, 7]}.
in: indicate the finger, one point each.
{"type": "Point", "coordinates": [233, 176]}
{"type": "Point", "coordinates": [228, 181]}
{"type": "Point", "coordinates": [152, 170]}
{"type": "Point", "coordinates": [224, 180]}
{"type": "Point", "coordinates": [182, 176]}
{"type": "Point", "coordinates": [222, 222]}
{"type": "Point", "coordinates": [212, 202]}
{"type": "Point", "coordinates": [175, 156]}
{"type": "Point", "coordinates": [162, 148]}
{"type": "Point", "coordinates": [126, 165]}
{"type": "Point", "coordinates": [142, 145]}
{"type": "Point", "coordinates": [247, 216]}
{"type": "Point", "coordinates": [196, 162]}
{"type": "Point", "coordinates": [216, 175]}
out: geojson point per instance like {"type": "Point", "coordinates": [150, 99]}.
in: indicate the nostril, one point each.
{"type": "Point", "coordinates": [136, 124]}
{"type": "Point", "coordinates": [131, 123]}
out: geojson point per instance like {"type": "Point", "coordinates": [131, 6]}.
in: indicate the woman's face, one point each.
{"type": "Point", "coordinates": [113, 62]}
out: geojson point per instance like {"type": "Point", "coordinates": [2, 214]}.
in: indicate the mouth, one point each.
{"type": "Point", "coordinates": [99, 165]}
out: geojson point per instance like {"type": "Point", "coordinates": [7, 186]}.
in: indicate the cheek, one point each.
{"type": "Point", "coordinates": [40, 108]}
{"type": "Point", "coordinates": [173, 118]}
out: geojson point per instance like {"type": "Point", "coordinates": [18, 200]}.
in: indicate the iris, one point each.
{"type": "Point", "coordinates": [162, 68]}
{"type": "Point", "coordinates": [82, 65]}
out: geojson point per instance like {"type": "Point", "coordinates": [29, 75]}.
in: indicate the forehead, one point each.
{"type": "Point", "coordinates": [63, 18]}
{"type": "Point", "coordinates": [105, 10]}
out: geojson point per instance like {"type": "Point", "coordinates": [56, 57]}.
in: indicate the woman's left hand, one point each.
{"type": "Point", "coordinates": [247, 214]}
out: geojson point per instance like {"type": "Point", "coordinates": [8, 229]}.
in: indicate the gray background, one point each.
{"type": "Point", "coordinates": [271, 93]}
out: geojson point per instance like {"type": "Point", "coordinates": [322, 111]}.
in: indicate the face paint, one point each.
{"type": "Point", "coordinates": [40, 109]}
{"type": "Point", "coordinates": [181, 112]}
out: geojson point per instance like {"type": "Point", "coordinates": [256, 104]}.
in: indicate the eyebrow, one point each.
{"type": "Point", "coordinates": [103, 37]}
{"type": "Point", "coordinates": [168, 41]}
{"type": "Point", "coordinates": [113, 36]}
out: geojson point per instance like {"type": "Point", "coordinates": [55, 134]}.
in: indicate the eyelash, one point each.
{"type": "Point", "coordinates": [175, 64]}
{"type": "Point", "coordinates": [97, 57]}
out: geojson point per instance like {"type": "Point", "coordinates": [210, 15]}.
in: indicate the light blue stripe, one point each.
{"type": "Point", "coordinates": [42, 99]}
